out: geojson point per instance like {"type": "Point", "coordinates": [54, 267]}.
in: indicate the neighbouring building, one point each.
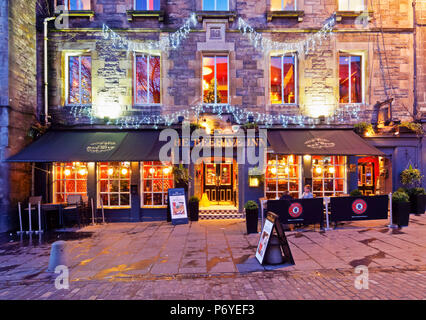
{"type": "Point", "coordinates": [112, 87]}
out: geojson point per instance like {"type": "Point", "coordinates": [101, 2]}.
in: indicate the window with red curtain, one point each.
{"type": "Point", "coordinates": [215, 79]}
{"type": "Point", "coordinates": [69, 178]}
{"type": "Point", "coordinates": [147, 5]}
{"type": "Point", "coordinates": [78, 4]}
{"type": "Point", "coordinates": [79, 79]}
{"type": "Point", "coordinates": [283, 79]}
{"type": "Point", "coordinates": [350, 79]}
{"type": "Point", "coordinates": [147, 79]}
{"type": "Point", "coordinates": [283, 5]}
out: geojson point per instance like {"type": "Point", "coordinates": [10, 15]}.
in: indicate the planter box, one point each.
{"type": "Point", "coordinates": [418, 204]}
{"type": "Point", "coordinates": [251, 220]}
{"type": "Point", "coordinates": [400, 213]}
{"type": "Point", "coordinates": [193, 211]}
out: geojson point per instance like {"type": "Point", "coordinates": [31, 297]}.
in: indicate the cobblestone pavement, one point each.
{"type": "Point", "coordinates": [211, 260]}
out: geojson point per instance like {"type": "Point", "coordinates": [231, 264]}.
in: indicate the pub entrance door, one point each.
{"type": "Point", "coordinates": [218, 182]}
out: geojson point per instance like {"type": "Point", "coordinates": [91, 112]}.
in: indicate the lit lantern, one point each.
{"type": "Point", "coordinates": [166, 170]}
{"type": "Point", "coordinates": [67, 172]}
{"type": "Point", "coordinates": [318, 170]}
{"type": "Point", "coordinates": [82, 171]}
{"type": "Point", "coordinates": [254, 182]}
{"type": "Point", "coordinates": [110, 171]}
{"type": "Point", "coordinates": [274, 170]}
{"type": "Point", "coordinates": [124, 171]}
{"type": "Point", "coordinates": [331, 169]}
{"type": "Point", "coordinates": [152, 171]}
{"type": "Point", "coordinates": [286, 170]}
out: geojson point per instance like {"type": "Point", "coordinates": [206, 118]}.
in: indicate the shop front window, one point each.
{"type": "Point", "coordinates": [215, 5]}
{"type": "Point", "coordinates": [114, 183]}
{"type": "Point", "coordinates": [282, 174]}
{"type": "Point", "coordinates": [283, 5]}
{"type": "Point", "coordinates": [157, 179]}
{"type": "Point", "coordinates": [77, 4]}
{"type": "Point", "coordinates": [328, 176]}
{"type": "Point", "coordinates": [147, 79]}
{"type": "Point", "coordinates": [79, 83]}
{"type": "Point", "coordinates": [350, 79]}
{"type": "Point", "coordinates": [70, 178]}
{"type": "Point", "coordinates": [215, 79]}
{"type": "Point", "coordinates": [147, 5]}
{"type": "Point", "coordinates": [283, 79]}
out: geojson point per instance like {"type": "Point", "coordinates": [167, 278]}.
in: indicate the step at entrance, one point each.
{"type": "Point", "coordinates": [211, 214]}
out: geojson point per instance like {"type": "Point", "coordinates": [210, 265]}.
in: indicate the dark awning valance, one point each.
{"type": "Point", "coordinates": [320, 142]}
{"type": "Point", "coordinates": [92, 146]}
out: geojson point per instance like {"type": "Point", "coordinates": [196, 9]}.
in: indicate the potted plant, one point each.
{"type": "Point", "coordinates": [193, 208]}
{"type": "Point", "coordinates": [417, 200]}
{"type": "Point", "coordinates": [410, 127]}
{"type": "Point", "coordinates": [252, 214]}
{"type": "Point", "coordinates": [355, 193]}
{"type": "Point", "coordinates": [364, 128]}
{"type": "Point", "coordinates": [411, 178]}
{"type": "Point", "coordinates": [181, 176]}
{"type": "Point", "coordinates": [400, 208]}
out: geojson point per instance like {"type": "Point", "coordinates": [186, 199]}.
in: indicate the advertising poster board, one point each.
{"type": "Point", "coordinates": [177, 204]}
{"type": "Point", "coordinates": [264, 239]}
{"type": "Point", "coordinates": [359, 208]}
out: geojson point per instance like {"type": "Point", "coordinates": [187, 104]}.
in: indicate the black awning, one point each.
{"type": "Point", "coordinates": [320, 142]}
{"type": "Point", "coordinates": [92, 146]}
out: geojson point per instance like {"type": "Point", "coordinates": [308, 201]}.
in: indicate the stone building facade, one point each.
{"type": "Point", "coordinates": [18, 101]}
{"type": "Point", "coordinates": [383, 35]}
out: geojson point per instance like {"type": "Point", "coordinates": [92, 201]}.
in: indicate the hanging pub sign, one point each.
{"type": "Point", "coordinates": [359, 208]}
{"type": "Point", "coordinates": [306, 211]}
{"type": "Point", "coordinates": [271, 223]}
{"type": "Point", "coordinates": [177, 201]}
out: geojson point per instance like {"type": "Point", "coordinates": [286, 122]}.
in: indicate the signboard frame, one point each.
{"type": "Point", "coordinates": [359, 208]}
{"type": "Point", "coordinates": [177, 203]}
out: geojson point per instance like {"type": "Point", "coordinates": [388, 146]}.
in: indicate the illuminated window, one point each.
{"type": "Point", "coordinates": [350, 79]}
{"type": "Point", "coordinates": [147, 4]}
{"type": "Point", "coordinates": [283, 79]}
{"type": "Point", "coordinates": [282, 174]}
{"type": "Point", "coordinates": [79, 84]}
{"type": "Point", "coordinates": [351, 5]}
{"type": "Point", "coordinates": [69, 178]}
{"type": "Point", "coordinates": [77, 4]}
{"type": "Point", "coordinates": [114, 184]}
{"type": "Point", "coordinates": [328, 175]}
{"type": "Point", "coordinates": [215, 79]}
{"type": "Point", "coordinates": [215, 5]}
{"type": "Point", "coordinates": [283, 5]}
{"type": "Point", "coordinates": [157, 179]}
{"type": "Point", "coordinates": [147, 79]}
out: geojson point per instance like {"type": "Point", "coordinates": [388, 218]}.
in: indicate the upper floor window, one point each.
{"type": "Point", "coordinates": [147, 5]}
{"type": "Point", "coordinates": [283, 5]}
{"type": "Point", "coordinates": [283, 79]}
{"type": "Point", "coordinates": [215, 5]}
{"type": "Point", "coordinates": [79, 84]}
{"type": "Point", "coordinates": [350, 79]}
{"type": "Point", "coordinates": [147, 79]}
{"type": "Point", "coordinates": [77, 4]}
{"type": "Point", "coordinates": [352, 5]}
{"type": "Point", "coordinates": [215, 79]}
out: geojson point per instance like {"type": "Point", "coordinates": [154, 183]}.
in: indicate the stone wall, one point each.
{"type": "Point", "coordinates": [18, 101]}
{"type": "Point", "coordinates": [386, 44]}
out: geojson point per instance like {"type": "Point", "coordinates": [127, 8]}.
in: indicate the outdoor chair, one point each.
{"type": "Point", "coordinates": [73, 210]}
{"type": "Point", "coordinates": [30, 221]}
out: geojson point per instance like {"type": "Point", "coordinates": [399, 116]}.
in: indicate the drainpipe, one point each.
{"type": "Point", "coordinates": [414, 60]}
{"type": "Point", "coordinates": [46, 84]}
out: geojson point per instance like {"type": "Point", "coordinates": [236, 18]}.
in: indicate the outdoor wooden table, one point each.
{"type": "Point", "coordinates": [54, 207]}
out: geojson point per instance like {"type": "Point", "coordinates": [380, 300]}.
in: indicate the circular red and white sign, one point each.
{"type": "Point", "coordinates": [359, 206]}
{"type": "Point", "coordinates": [295, 210]}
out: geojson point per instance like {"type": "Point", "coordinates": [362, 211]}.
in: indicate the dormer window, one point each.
{"type": "Point", "coordinates": [283, 5]}
{"type": "Point", "coordinates": [215, 5]}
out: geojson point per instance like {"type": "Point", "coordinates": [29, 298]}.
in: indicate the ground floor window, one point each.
{"type": "Point", "coordinates": [157, 179]}
{"type": "Point", "coordinates": [282, 174]}
{"type": "Point", "coordinates": [114, 183]}
{"type": "Point", "coordinates": [328, 175]}
{"type": "Point", "coordinates": [70, 178]}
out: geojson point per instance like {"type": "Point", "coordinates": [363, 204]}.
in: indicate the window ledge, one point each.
{"type": "Point", "coordinates": [132, 14]}
{"type": "Point", "coordinates": [286, 14]}
{"type": "Point", "coordinates": [340, 15]}
{"type": "Point", "coordinates": [230, 15]}
{"type": "Point", "coordinates": [78, 13]}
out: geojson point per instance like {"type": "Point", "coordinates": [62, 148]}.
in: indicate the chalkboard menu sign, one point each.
{"type": "Point", "coordinates": [178, 210]}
